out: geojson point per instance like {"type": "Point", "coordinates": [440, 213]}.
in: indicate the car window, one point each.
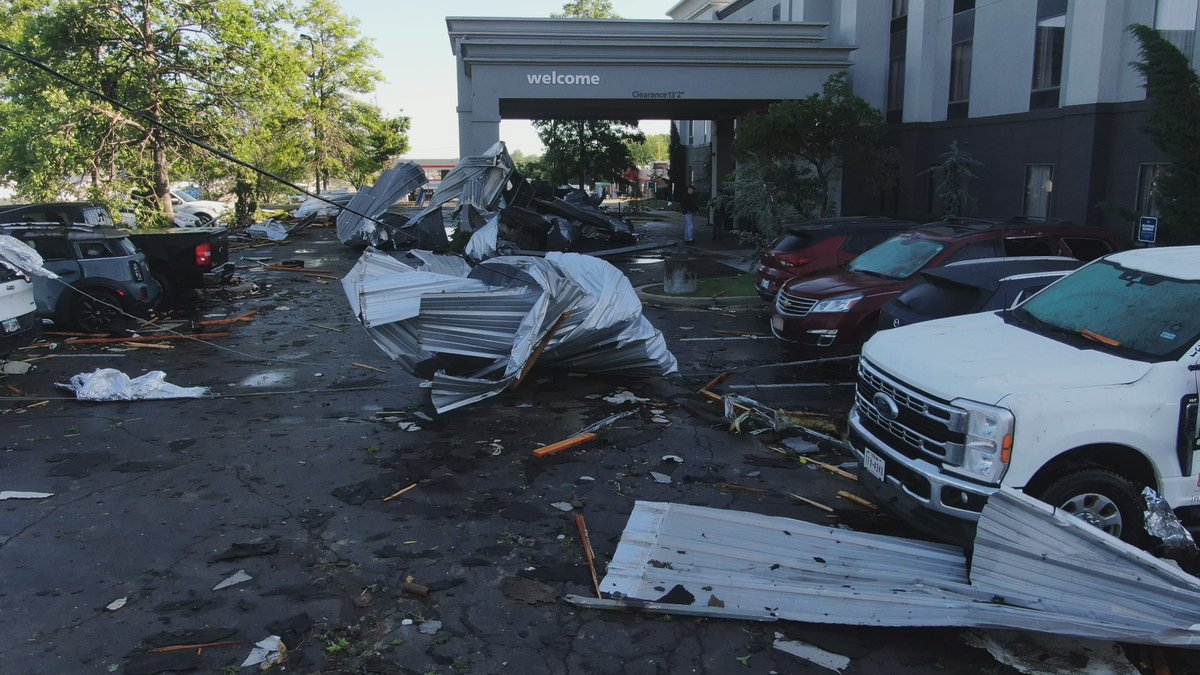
{"type": "Point", "coordinates": [1028, 246]}
{"type": "Point", "coordinates": [123, 246]}
{"type": "Point", "coordinates": [1087, 249]}
{"type": "Point", "coordinates": [938, 298]}
{"type": "Point", "coordinates": [1024, 294]}
{"type": "Point", "coordinates": [861, 242]}
{"type": "Point", "coordinates": [97, 217]}
{"type": "Point", "coordinates": [793, 241]}
{"type": "Point", "coordinates": [94, 249]}
{"type": "Point", "coordinates": [43, 217]}
{"type": "Point", "coordinates": [897, 258]}
{"type": "Point", "coordinates": [51, 248]}
{"type": "Point", "coordinates": [988, 248]}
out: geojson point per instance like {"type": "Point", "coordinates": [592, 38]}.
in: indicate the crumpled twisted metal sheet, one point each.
{"type": "Point", "coordinates": [1033, 568]}
{"type": "Point", "coordinates": [354, 229]}
{"type": "Point", "coordinates": [477, 180]}
{"type": "Point", "coordinates": [425, 309]}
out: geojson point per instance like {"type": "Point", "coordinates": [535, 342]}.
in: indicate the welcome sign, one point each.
{"type": "Point", "coordinates": [556, 78]}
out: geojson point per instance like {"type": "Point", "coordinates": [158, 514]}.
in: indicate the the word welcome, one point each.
{"type": "Point", "coordinates": [555, 77]}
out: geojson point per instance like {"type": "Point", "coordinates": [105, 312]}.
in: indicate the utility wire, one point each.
{"type": "Point", "coordinates": [184, 135]}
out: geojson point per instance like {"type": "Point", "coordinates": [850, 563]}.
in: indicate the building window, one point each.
{"type": "Point", "coordinates": [1039, 185]}
{"type": "Point", "coordinates": [1148, 201]}
{"type": "Point", "coordinates": [1176, 21]}
{"type": "Point", "coordinates": [899, 15]}
{"type": "Point", "coordinates": [895, 92]}
{"type": "Point", "coordinates": [776, 12]}
{"type": "Point", "coordinates": [962, 38]}
{"type": "Point", "coordinates": [1048, 53]}
{"type": "Point", "coordinates": [691, 133]}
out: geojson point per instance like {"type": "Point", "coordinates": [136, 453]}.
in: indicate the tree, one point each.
{"type": "Point", "coordinates": [655, 147]}
{"type": "Point", "coordinates": [529, 166]}
{"type": "Point", "coordinates": [337, 67]}
{"type": "Point", "coordinates": [952, 175]}
{"type": "Point", "coordinates": [588, 9]}
{"type": "Point", "coordinates": [1174, 126]}
{"type": "Point", "coordinates": [586, 150]}
{"type": "Point", "coordinates": [805, 143]}
{"type": "Point", "coordinates": [186, 64]}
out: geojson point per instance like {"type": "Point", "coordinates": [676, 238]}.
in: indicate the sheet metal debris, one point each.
{"type": "Point", "coordinates": [1162, 523]}
{"type": "Point", "coordinates": [234, 579]}
{"type": "Point", "coordinates": [266, 653]}
{"type": "Point", "coordinates": [22, 256]}
{"type": "Point", "coordinates": [812, 653]}
{"type": "Point", "coordinates": [108, 384]}
{"type": "Point", "coordinates": [477, 330]}
{"type": "Point", "coordinates": [16, 494]}
{"type": "Point", "coordinates": [1033, 568]}
{"type": "Point", "coordinates": [354, 229]}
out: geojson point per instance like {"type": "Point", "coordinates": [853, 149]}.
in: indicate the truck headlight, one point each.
{"type": "Point", "coordinates": [833, 305]}
{"type": "Point", "coordinates": [988, 444]}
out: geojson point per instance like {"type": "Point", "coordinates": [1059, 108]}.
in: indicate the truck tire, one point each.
{"type": "Point", "coordinates": [1100, 498]}
{"type": "Point", "coordinates": [168, 297]}
{"type": "Point", "coordinates": [95, 312]}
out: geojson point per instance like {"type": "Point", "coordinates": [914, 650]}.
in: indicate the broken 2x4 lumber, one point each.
{"type": "Point", "coordinates": [813, 503]}
{"type": "Point", "coordinates": [581, 525]}
{"type": "Point", "coordinates": [196, 647]}
{"type": "Point", "coordinates": [572, 442]}
{"type": "Point", "coordinates": [244, 318]}
{"type": "Point", "coordinates": [857, 500]}
{"type": "Point", "coordinates": [397, 493]}
{"type": "Point", "coordinates": [828, 467]}
{"type": "Point", "coordinates": [160, 338]}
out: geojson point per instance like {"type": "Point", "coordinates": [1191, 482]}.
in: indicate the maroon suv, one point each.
{"type": "Point", "coordinates": [820, 245]}
{"type": "Point", "coordinates": [832, 313]}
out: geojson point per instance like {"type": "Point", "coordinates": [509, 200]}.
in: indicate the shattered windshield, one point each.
{"type": "Point", "coordinates": [897, 258]}
{"type": "Point", "coordinates": [1133, 313]}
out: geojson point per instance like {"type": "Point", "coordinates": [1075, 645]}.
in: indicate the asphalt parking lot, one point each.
{"type": "Point", "coordinates": [283, 471]}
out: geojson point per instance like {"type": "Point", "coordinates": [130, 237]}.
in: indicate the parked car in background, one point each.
{"type": "Point", "coordinates": [19, 323]}
{"type": "Point", "coordinates": [1081, 396]}
{"type": "Point", "coordinates": [832, 313]}
{"type": "Point", "coordinates": [970, 286]}
{"type": "Point", "coordinates": [819, 245]}
{"type": "Point", "coordinates": [111, 275]}
{"type": "Point", "coordinates": [181, 259]}
{"type": "Point", "coordinates": [203, 210]}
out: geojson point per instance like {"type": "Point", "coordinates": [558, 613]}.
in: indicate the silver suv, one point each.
{"type": "Point", "coordinates": [101, 273]}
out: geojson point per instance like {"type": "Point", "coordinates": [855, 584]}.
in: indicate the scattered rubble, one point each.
{"type": "Point", "coordinates": [11, 494]}
{"type": "Point", "coordinates": [116, 604]}
{"type": "Point", "coordinates": [361, 222]}
{"type": "Point", "coordinates": [266, 653]}
{"type": "Point", "coordinates": [812, 653]}
{"type": "Point", "coordinates": [234, 579]}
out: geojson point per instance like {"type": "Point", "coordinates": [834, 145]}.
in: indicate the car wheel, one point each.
{"type": "Point", "coordinates": [96, 312]}
{"type": "Point", "coordinates": [1100, 498]}
{"type": "Point", "coordinates": [203, 218]}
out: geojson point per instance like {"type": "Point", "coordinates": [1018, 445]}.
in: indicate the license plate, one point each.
{"type": "Point", "coordinates": [777, 323]}
{"type": "Point", "coordinates": [873, 464]}
{"type": "Point", "coordinates": [11, 325]}
{"type": "Point", "coordinates": [764, 284]}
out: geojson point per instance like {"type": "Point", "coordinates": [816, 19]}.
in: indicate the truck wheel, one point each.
{"type": "Point", "coordinates": [166, 300]}
{"type": "Point", "coordinates": [95, 312]}
{"type": "Point", "coordinates": [1100, 498]}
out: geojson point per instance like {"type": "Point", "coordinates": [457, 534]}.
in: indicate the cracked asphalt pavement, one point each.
{"type": "Point", "coordinates": [282, 473]}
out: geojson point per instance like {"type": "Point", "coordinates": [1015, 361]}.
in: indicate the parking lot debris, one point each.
{"type": "Point", "coordinates": [813, 503]}
{"type": "Point", "coordinates": [800, 446]}
{"type": "Point", "coordinates": [234, 579]}
{"type": "Point", "coordinates": [250, 549]}
{"type": "Point", "coordinates": [399, 493]}
{"type": "Point", "coordinates": [660, 478]}
{"type": "Point", "coordinates": [500, 311]}
{"type": "Point", "coordinates": [828, 467]}
{"type": "Point", "coordinates": [1033, 567]}
{"type": "Point", "coordinates": [354, 229]}
{"type": "Point", "coordinates": [413, 588]}
{"type": "Point", "coordinates": [267, 652]}
{"type": "Point", "coordinates": [16, 494]}
{"type": "Point", "coordinates": [269, 229]}
{"type": "Point", "coordinates": [588, 554]}
{"type": "Point", "coordinates": [116, 604]}
{"type": "Point", "coordinates": [321, 207]}
{"type": "Point", "coordinates": [23, 256]}
{"type": "Point", "coordinates": [15, 367]}
{"type": "Point", "coordinates": [430, 627]}
{"type": "Point", "coordinates": [108, 384]}
{"type": "Point", "coordinates": [857, 500]}
{"type": "Point", "coordinates": [812, 653]}
{"type": "Point", "coordinates": [196, 647]}
{"type": "Point", "coordinates": [1162, 524]}
{"type": "Point", "coordinates": [566, 444]}
{"type": "Point", "coordinates": [150, 338]}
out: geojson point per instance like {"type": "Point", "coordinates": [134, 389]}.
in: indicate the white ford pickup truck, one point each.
{"type": "Point", "coordinates": [1080, 396]}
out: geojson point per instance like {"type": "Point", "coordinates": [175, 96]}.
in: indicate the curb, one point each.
{"type": "Point", "coordinates": [654, 298]}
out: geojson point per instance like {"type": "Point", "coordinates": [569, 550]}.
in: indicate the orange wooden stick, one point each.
{"type": "Point", "coordinates": [572, 442]}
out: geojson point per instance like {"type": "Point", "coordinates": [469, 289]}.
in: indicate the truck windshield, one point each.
{"type": "Point", "coordinates": [897, 258]}
{"type": "Point", "coordinates": [1137, 314]}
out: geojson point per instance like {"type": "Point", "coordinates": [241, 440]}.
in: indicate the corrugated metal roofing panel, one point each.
{"type": "Point", "coordinates": [373, 201]}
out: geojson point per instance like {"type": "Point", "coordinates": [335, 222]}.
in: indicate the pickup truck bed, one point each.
{"type": "Point", "coordinates": [184, 259]}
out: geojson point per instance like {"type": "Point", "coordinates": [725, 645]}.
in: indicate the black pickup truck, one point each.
{"type": "Point", "coordinates": [181, 259]}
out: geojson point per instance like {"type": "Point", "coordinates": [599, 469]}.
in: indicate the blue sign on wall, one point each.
{"type": "Point", "coordinates": [1147, 230]}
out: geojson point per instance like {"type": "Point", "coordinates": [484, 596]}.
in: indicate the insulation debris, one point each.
{"type": "Point", "coordinates": [108, 384]}
{"type": "Point", "coordinates": [1033, 567]}
{"type": "Point", "coordinates": [475, 330]}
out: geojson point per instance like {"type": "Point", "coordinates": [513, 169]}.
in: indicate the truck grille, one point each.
{"type": "Point", "coordinates": [922, 428]}
{"type": "Point", "coordinates": [791, 305]}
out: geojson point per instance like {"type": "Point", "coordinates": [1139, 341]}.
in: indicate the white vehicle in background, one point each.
{"type": "Point", "coordinates": [1080, 396]}
{"type": "Point", "coordinates": [203, 211]}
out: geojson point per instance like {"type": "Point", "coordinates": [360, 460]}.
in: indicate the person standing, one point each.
{"type": "Point", "coordinates": [689, 207]}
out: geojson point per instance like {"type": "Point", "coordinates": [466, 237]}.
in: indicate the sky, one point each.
{"type": "Point", "coordinates": [419, 69]}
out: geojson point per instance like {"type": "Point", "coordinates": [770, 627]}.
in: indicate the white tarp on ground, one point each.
{"type": "Point", "coordinates": [1033, 568]}
{"type": "Point", "coordinates": [449, 317]}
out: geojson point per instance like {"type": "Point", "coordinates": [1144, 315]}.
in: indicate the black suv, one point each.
{"type": "Point", "coordinates": [102, 264]}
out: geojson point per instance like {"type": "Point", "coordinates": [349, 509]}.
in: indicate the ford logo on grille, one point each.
{"type": "Point", "coordinates": [886, 406]}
